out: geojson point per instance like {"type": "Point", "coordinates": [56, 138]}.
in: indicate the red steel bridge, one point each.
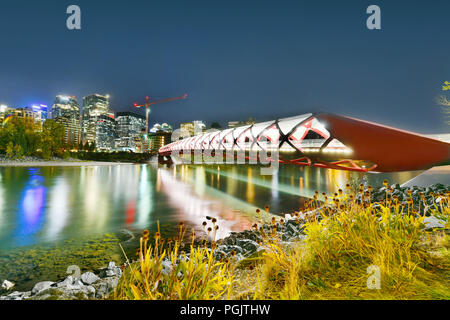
{"type": "Point", "coordinates": [322, 140]}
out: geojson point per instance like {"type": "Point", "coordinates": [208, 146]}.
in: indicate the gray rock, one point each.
{"type": "Point", "coordinates": [236, 248]}
{"type": "Point", "coordinates": [111, 270]}
{"type": "Point", "coordinates": [26, 295]}
{"type": "Point", "coordinates": [75, 286]}
{"type": "Point", "coordinates": [41, 286]}
{"type": "Point", "coordinates": [7, 285]}
{"type": "Point", "coordinates": [90, 291]}
{"type": "Point", "coordinates": [105, 287]}
{"type": "Point", "coordinates": [66, 282]}
{"type": "Point", "coordinates": [248, 245]}
{"type": "Point", "coordinates": [238, 257]}
{"type": "Point", "coordinates": [15, 294]}
{"type": "Point", "coordinates": [432, 222]}
{"type": "Point", "coordinates": [89, 278]}
{"type": "Point", "coordinates": [110, 273]}
{"type": "Point", "coordinates": [167, 267]}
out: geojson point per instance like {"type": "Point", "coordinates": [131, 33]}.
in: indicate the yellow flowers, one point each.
{"type": "Point", "coordinates": [332, 261]}
{"type": "Point", "coordinates": [164, 273]}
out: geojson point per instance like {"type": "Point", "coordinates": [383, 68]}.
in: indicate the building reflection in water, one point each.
{"type": "Point", "coordinates": [31, 208]}
{"type": "Point", "coordinates": [193, 208]}
{"type": "Point", "coordinates": [286, 190]}
{"type": "Point", "coordinates": [146, 196]}
{"type": "Point", "coordinates": [2, 206]}
{"type": "Point", "coordinates": [96, 206]}
{"type": "Point", "coordinates": [250, 193]}
{"type": "Point", "coordinates": [58, 208]}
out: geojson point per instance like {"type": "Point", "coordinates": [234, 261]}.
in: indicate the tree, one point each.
{"type": "Point", "coordinates": [444, 102]}
{"type": "Point", "coordinates": [18, 152]}
{"type": "Point", "coordinates": [91, 146]}
{"type": "Point", "coordinates": [10, 150]}
{"type": "Point", "coordinates": [52, 138]}
{"type": "Point", "coordinates": [20, 132]}
{"type": "Point", "coordinates": [216, 125]}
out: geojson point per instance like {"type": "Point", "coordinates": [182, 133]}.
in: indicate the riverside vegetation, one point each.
{"type": "Point", "coordinates": [326, 254]}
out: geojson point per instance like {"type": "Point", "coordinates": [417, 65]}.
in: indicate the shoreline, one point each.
{"type": "Point", "coordinates": [62, 163]}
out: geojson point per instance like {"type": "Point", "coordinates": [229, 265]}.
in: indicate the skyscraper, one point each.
{"type": "Point", "coordinates": [98, 124]}
{"type": "Point", "coordinates": [159, 139]}
{"type": "Point", "coordinates": [105, 132]}
{"type": "Point", "coordinates": [66, 111]}
{"type": "Point", "coordinates": [129, 127]}
{"type": "Point", "coordinates": [195, 127]}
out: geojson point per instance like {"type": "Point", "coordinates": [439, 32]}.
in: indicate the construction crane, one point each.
{"type": "Point", "coordinates": [149, 103]}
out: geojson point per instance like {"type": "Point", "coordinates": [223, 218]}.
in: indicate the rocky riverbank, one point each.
{"type": "Point", "coordinates": [422, 200]}
{"type": "Point", "coordinates": [88, 285]}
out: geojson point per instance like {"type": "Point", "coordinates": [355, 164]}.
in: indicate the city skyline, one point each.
{"type": "Point", "coordinates": [133, 109]}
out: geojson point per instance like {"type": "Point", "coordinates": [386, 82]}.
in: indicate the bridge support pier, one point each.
{"type": "Point", "coordinates": [165, 159]}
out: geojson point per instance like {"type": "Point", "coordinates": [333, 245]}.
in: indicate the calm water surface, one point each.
{"type": "Point", "coordinates": [53, 216]}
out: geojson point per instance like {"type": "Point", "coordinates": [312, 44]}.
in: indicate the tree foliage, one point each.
{"type": "Point", "coordinates": [444, 102]}
{"type": "Point", "coordinates": [21, 137]}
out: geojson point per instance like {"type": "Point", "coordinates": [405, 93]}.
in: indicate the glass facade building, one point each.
{"type": "Point", "coordinates": [66, 111]}
{"type": "Point", "coordinates": [98, 124]}
{"type": "Point", "coordinates": [105, 127]}
{"type": "Point", "coordinates": [129, 128]}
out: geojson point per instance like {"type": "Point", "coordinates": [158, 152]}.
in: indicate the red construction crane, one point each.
{"type": "Point", "coordinates": [149, 103]}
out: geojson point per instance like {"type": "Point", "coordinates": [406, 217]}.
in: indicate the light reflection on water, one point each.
{"type": "Point", "coordinates": [49, 204]}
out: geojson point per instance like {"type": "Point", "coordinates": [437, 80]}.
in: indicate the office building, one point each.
{"type": "Point", "coordinates": [190, 129]}
{"type": "Point", "coordinates": [235, 124]}
{"type": "Point", "coordinates": [66, 111]}
{"type": "Point", "coordinates": [159, 139]}
{"type": "Point", "coordinates": [129, 128]}
{"type": "Point", "coordinates": [98, 124]}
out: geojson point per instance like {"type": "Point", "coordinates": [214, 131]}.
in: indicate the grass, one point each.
{"type": "Point", "coordinates": [356, 250]}
{"type": "Point", "coordinates": [163, 272]}
{"type": "Point", "coordinates": [353, 240]}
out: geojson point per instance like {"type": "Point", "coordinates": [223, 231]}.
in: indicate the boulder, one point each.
{"type": "Point", "coordinates": [7, 285]}
{"type": "Point", "coordinates": [75, 286]}
{"type": "Point", "coordinates": [66, 282]}
{"type": "Point", "coordinates": [112, 270]}
{"type": "Point", "coordinates": [432, 222]}
{"type": "Point", "coordinates": [248, 245]}
{"type": "Point", "coordinates": [167, 267]}
{"type": "Point", "coordinates": [89, 278]}
{"type": "Point", "coordinates": [41, 286]}
{"type": "Point", "coordinates": [105, 287]}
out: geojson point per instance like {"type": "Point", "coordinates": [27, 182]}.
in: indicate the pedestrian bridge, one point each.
{"type": "Point", "coordinates": [321, 140]}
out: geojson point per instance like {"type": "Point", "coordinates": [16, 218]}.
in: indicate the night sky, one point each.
{"type": "Point", "coordinates": [236, 59]}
